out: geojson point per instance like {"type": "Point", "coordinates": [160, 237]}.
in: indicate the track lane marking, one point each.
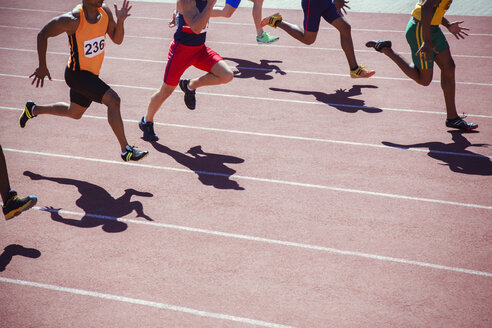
{"type": "Point", "coordinates": [264, 98]}
{"type": "Point", "coordinates": [276, 242]}
{"type": "Point", "coordinates": [281, 136]}
{"type": "Point", "coordinates": [218, 21]}
{"type": "Point", "coordinates": [256, 179]}
{"type": "Point", "coordinates": [255, 44]}
{"type": "Point", "coordinates": [137, 301]}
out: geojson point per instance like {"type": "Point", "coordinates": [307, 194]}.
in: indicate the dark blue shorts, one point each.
{"type": "Point", "coordinates": [233, 3]}
{"type": "Point", "coordinates": [314, 10]}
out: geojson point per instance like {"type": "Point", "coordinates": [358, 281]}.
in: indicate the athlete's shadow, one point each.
{"type": "Point", "coordinates": [100, 208]}
{"type": "Point", "coordinates": [12, 250]}
{"type": "Point", "coordinates": [341, 99]}
{"type": "Point", "coordinates": [210, 167]}
{"type": "Point", "coordinates": [247, 69]}
{"type": "Point", "coordinates": [466, 162]}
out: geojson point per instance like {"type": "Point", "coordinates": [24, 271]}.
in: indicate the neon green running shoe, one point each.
{"type": "Point", "coordinates": [266, 38]}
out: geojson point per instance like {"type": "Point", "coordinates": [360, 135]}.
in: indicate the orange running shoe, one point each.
{"type": "Point", "coordinates": [272, 20]}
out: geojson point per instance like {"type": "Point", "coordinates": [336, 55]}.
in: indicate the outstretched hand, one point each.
{"type": "Point", "coordinates": [123, 13]}
{"type": "Point", "coordinates": [426, 50]}
{"type": "Point", "coordinates": [39, 74]}
{"type": "Point", "coordinates": [341, 5]}
{"type": "Point", "coordinates": [172, 23]}
{"type": "Point", "coordinates": [458, 31]}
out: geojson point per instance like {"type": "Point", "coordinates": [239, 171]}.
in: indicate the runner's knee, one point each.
{"type": "Point", "coordinates": [111, 99]}
{"type": "Point", "coordinates": [227, 76]}
{"type": "Point", "coordinates": [425, 81]}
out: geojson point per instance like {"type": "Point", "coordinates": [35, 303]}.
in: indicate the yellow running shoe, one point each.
{"type": "Point", "coordinates": [361, 71]}
{"type": "Point", "coordinates": [16, 205]}
{"type": "Point", "coordinates": [272, 20]}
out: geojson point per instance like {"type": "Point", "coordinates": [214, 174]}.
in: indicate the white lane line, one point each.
{"type": "Point", "coordinates": [256, 179]}
{"type": "Point", "coordinates": [266, 99]}
{"type": "Point", "coordinates": [243, 68]}
{"type": "Point", "coordinates": [256, 44]}
{"type": "Point", "coordinates": [137, 301]}
{"type": "Point", "coordinates": [275, 242]}
{"type": "Point", "coordinates": [214, 21]}
{"type": "Point", "coordinates": [280, 136]}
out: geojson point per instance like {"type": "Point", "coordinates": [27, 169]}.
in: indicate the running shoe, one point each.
{"type": "Point", "coordinates": [266, 38]}
{"type": "Point", "coordinates": [148, 130]}
{"type": "Point", "coordinates": [361, 72]}
{"type": "Point", "coordinates": [272, 20]}
{"type": "Point", "coordinates": [189, 96]}
{"type": "Point", "coordinates": [133, 154]}
{"type": "Point", "coordinates": [27, 113]}
{"type": "Point", "coordinates": [378, 45]}
{"type": "Point", "coordinates": [16, 205]}
{"type": "Point", "coordinates": [459, 123]}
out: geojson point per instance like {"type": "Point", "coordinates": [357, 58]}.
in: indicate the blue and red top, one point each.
{"type": "Point", "coordinates": [185, 35]}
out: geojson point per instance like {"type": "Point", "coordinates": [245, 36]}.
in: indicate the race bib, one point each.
{"type": "Point", "coordinates": [94, 47]}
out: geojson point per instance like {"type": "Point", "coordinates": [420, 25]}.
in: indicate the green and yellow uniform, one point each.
{"type": "Point", "coordinates": [415, 38]}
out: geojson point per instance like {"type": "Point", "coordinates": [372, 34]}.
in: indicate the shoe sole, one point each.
{"type": "Point", "coordinates": [24, 208]}
{"type": "Point", "coordinates": [261, 42]}
{"type": "Point", "coordinates": [363, 77]}
{"type": "Point", "coordinates": [136, 160]}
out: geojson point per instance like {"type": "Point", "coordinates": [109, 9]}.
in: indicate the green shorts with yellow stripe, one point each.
{"type": "Point", "coordinates": [415, 39]}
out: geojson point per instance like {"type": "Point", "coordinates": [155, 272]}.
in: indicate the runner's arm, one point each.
{"type": "Point", "coordinates": [454, 28]}
{"type": "Point", "coordinates": [67, 23]}
{"type": "Point", "coordinates": [427, 11]}
{"type": "Point", "coordinates": [116, 30]}
{"type": "Point", "coordinates": [64, 23]}
{"type": "Point", "coordinates": [194, 18]}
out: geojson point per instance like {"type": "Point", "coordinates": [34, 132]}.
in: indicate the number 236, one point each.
{"type": "Point", "coordinates": [94, 48]}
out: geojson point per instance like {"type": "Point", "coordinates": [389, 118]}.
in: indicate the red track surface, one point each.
{"type": "Point", "coordinates": [301, 212]}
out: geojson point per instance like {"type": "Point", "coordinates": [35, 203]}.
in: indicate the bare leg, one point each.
{"type": "Point", "coordinates": [61, 109]}
{"type": "Point", "coordinates": [346, 42]}
{"type": "Point", "coordinates": [422, 77]}
{"type": "Point", "coordinates": [157, 100]}
{"type": "Point", "coordinates": [297, 33]}
{"type": "Point", "coordinates": [226, 11]}
{"type": "Point", "coordinates": [112, 101]}
{"type": "Point", "coordinates": [219, 74]}
{"type": "Point", "coordinates": [4, 177]}
{"type": "Point", "coordinates": [448, 82]}
{"type": "Point", "coordinates": [257, 15]}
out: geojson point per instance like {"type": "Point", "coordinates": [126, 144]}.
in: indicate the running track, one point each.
{"type": "Point", "coordinates": [314, 200]}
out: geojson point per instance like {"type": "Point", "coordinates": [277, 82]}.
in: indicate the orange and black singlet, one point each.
{"type": "Point", "coordinates": [87, 43]}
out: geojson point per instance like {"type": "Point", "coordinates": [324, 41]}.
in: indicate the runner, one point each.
{"type": "Point", "coordinates": [187, 49]}
{"type": "Point", "coordinates": [86, 26]}
{"type": "Point", "coordinates": [13, 205]}
{"type": "Point", "coordinates": [332, 12]}
{"type": "Point", "coordinates": [428, 45]}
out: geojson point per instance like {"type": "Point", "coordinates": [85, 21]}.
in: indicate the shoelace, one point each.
{"type": "Point", "coordinates": [359, 69]}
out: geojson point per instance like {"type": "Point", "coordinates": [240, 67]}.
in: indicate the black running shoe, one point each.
{"type": "Point", "coordinates": [379, 44]}
{"type": "Point", "coordinates": [189, 96]}
{"type": "Point", "coordinates": [459, 123]}
{"type": "Point", "coordinates": [27, 113]}
{"type": "Point", "coordinates": [133, 154]}
{"type": "Point", "coordinates": [16, 205]}
{"type": "Point", "coordinates": [148, 130]}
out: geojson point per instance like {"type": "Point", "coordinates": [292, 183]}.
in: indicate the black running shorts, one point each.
{"type": "Point", "coordinates": [85, 87]}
